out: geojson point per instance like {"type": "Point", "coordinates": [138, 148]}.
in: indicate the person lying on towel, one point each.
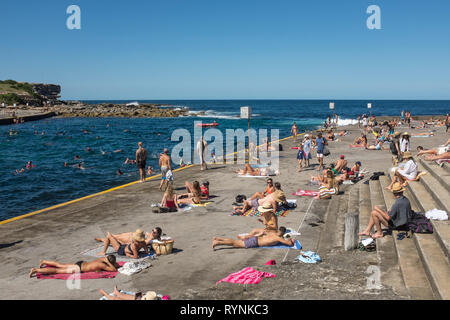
{"type": "Point", "coordinates": [270, 221]}
{"type": "Point", "coordinates": [127, 237]}
{"type": "Point", "coordinates": [263, 172]}
{"type": "Point", "coordinates": [270, 239]}
{"type": "Point", "coordinates": [101, 264]}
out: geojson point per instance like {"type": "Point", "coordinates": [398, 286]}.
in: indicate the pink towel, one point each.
{"type": "Point", "coordinates": [305, 193]}
{"type": "Point", "coordinates": [270, 263]}
{"type": "Point", "coordinates": [247, 276]}
{"type": "Point", "coordinates": [82, 276]}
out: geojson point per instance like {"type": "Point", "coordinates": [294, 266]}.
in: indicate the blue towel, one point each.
{"type": "Point", "coordinates": [309, 257]}
{"type": "Point", "coordinates": [297, 246]}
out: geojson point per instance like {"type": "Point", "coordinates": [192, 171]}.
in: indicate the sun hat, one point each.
{"type": "Point", "coordinates": [407, 155]}
{"type": "Point", "coordinates": [266, 207]}
{"type": "Point", "coordinates": [139, 235]}
{"type": "Point", "coordinates": [405, 134]}
{"type": "Point", "coordinates": [149, 295]}
{"type": "Point", "coordinates": [342, 156]}
{"type": "Point", "coordinates": [397, 187]}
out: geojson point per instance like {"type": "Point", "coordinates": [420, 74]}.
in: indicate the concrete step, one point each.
{"type": "Point", "coordinates": [412, 269]}
{"type": "Point", "coordinates": [440, 174]}
{"type": "Point", "coordinates": [425, 203]}
{"type": "Point", "coordinates": [327, 234]}
{"type": "Point", "coordinates": [436, 189]}
{"type": "Point", "coordinates": [340, 222]}
{"type": "Point", "coordinates": [432, 250]}
{"type": "Point", "coordinates": [365, 206]}
{"type": "Point", "coordinates": [387, 256]}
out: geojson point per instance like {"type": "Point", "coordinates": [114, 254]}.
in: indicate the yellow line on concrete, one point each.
{"type": "Point", "coordinates": [102, 192]}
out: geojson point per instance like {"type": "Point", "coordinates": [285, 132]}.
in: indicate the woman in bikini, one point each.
{"type": "Point", "coordinates": [331, 187]}
{"type": "Point", "coordinates": [131, 249]}
{"type": "Point", "coordinates": [194, 194]}
{"type": "Point", "coordinates": [118, 295]}
{"type": "Point", "coordinates": [169, 200]}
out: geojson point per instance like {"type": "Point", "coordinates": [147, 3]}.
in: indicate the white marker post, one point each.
{"type": "Point", "coordinates": [245, 114]}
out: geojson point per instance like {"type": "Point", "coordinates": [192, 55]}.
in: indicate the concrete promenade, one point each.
{"type": "Point", "coordinates": [62, 233]}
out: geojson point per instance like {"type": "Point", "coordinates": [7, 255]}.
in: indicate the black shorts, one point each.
{"type": "Point", "coordinates": [140, 164]}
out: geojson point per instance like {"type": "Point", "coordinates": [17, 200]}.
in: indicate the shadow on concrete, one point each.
{"type": "Point", "coordinates": [7, 245]}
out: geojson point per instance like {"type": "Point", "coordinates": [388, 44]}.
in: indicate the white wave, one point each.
{"type": "Point", "coordinates": [346, 122]}
{"type": "Point", "coordinates": [214, 114]}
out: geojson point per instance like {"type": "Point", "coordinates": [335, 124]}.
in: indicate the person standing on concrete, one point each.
{"type": "Point", "coordinates": [165, 165]}
{"type": "Point", "coordinates": [202, 145]}
{"type": "Point", "coordinates": [141, 159]}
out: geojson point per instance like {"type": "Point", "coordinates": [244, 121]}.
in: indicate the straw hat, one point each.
{"type": "Point", "coordinates": [405, 134]}
{"type": "Point", "coordinates": [139, 236]}
{"type": "Point", "coordinates": [397, 187]}
{"type": "Point", "coordinates": [279, 196]}
{"type": "Point", "coordinates": [266, 207]}
{"type": "Point", "coordinates": [150, 295]}
{"type": "Point", "coordinates": [407, 155]}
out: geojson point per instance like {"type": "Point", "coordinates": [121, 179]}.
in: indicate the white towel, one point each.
{"type": "Point", "coordinates": [131, 268]}
{"type": "Point", "coordinates": [436, 214]}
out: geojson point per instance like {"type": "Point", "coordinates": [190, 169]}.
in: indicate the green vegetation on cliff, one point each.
{"type": "Point", "coordinates": [15, 92]}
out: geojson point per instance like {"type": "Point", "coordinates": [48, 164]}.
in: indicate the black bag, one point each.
{"type": "Point", "coordinates": [376, 175]}
{"type": "Point", "coordinates": [393, 148]}
{"type": "Point", "coordinates": [240, 198]}
{"type": "Point", "coordinates": [326, 152]}
{"type": "Point", "coordinates": [280, 147]}
{"type": "Point", "coordinates": [420, 224]}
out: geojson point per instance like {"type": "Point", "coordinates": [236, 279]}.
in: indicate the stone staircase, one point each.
{"type": "Point", "coordinates": [421, 261]}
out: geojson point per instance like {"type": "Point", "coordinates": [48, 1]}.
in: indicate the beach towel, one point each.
{"type": "Point", "coordinates": [131, 268]}
{"type": "Point", "coordinates": [423, 136]}
{"type": "Point", "coordinates": [296, 246]}
{"type": "Point", "coordinates": [81, 276]}
{"type": "Point", "coordinates": [439, 161]}
{"type": "Point", "coordinates": [94, 253]}
{"type": "Point", "coordinates": [356, 146]}
{"type": "Point", "coordinates": [247, 276]}
{"type": "Point", "coordinates": [309, 257]}
{"type": "Point", "coordinates": [250, 176]}
{"type": "Point", "coordinates": [270, 263]}
{"type": "Point", "coordinates": [255, 213]}
{"type": "Point", "coordinates": [305, 193]}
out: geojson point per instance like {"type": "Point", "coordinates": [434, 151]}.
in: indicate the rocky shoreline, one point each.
{"type": "Point", "coordinates": [81, 110]}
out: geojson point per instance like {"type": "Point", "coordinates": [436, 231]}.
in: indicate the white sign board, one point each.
{"type": "Point", "coordinates": [245, 112]}
{"type": "Point", "coordinates": [332, 105]}
{"type": "Point", "coordinates": [369, 105]}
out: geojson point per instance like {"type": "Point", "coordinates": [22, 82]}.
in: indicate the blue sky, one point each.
{"type": "Point", "coordinates": [233, 49]}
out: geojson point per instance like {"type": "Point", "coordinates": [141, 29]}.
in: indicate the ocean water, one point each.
{"type": "Point", "coordinates": [51, 183]}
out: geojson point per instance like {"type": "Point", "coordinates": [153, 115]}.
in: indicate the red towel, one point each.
{"type": "Point", "coordinates": [82, 276]}
{"type": "Point", "coordinates": [247, 276]}
{"type": "Point", "coordinates": [305, 193]}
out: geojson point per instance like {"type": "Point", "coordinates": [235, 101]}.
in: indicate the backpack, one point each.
{"type": "Point", "coordinates": [280, 147]}
{"type": "Point", "coordinates": [376, 175]}
{"type": "Point", "coordinates": [420, 224]}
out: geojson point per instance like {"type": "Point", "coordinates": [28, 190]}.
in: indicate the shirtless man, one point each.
{"type": "Point", "coordinates": [130, 249]}
{"type": "Point", "coordinates": [165, 165]}
{"type": "Point", "coordinates": [141, 159]}
{"type": "Point", "coordinates": [270, 239]}
{"type": "Point", "coordinates": [101, 264]}
{"type": "Point", "coordinates": [340, 164]}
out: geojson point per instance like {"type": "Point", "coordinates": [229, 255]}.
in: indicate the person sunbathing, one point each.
{"type": "Point", "coordinates": [270, 239]}
{"type": "Point", "coordinates": [265, 171]}
{"type": "Point", "coordinates": [130, 249]}
{"type": "Point", "coordinates": [52, 267]}
{"type": "Point", "coordinates": [320, 178]}
{"type": "Point", "coordinates": [117, 295]}
{"type": "Point", "coordinates": [331, 187]}
{"type": "Point", "coordinates": [169, 200]}
{"type": "Point", "coordinates": [444, 156]}
{"type": "Point", "coordinates": [270, 221]}
{"type": "Point", "coordinates": [340, 164]}
{"type": "Point", "coordinates": [269, 189]}
{"type": "Point", "coordinates": [435, 152]}
{"type": "Point", "coordinates": [127, 237]}
{"type": "Point", "coordinates": [193, 195]}
{"type": "Point", "coordinates": [377, 146]}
